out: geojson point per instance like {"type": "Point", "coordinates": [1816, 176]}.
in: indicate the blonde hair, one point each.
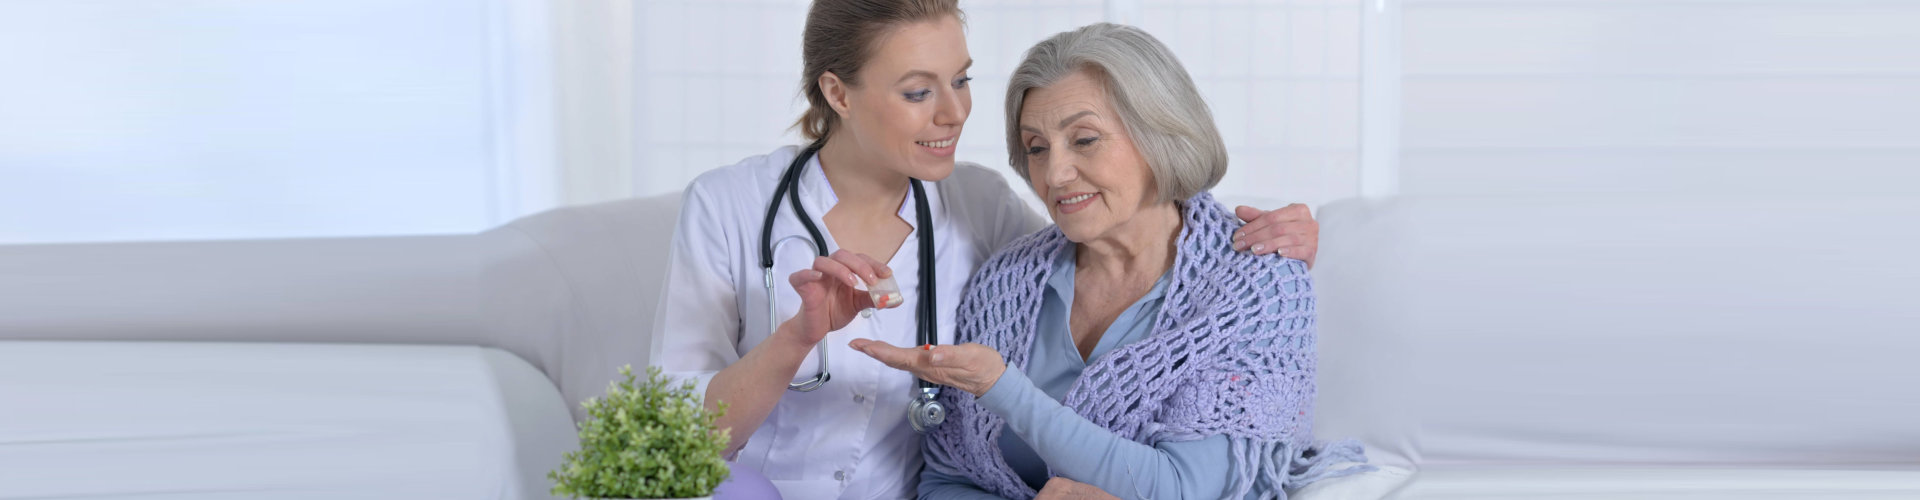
{"type": "Point", "coordinates": [839, 38]}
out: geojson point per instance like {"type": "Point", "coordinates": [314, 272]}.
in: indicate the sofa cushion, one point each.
{"type": "Point", "coordinates": [1661, 483]}
{"type": "Point", "coordinates": [275, 421]}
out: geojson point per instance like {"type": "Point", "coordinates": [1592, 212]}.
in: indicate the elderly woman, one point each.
{"type": "Point", "coordinates": [1148, 358]}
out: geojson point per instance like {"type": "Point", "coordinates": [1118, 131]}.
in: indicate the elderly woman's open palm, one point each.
{"type": "Point", "coordinates": [968, 367]}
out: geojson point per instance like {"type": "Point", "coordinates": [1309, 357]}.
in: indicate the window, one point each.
{"type": "Point", "coordinates": [166, 120]}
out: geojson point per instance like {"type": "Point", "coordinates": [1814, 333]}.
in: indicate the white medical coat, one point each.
{"type": "Point", "coordinates": [850, 439]}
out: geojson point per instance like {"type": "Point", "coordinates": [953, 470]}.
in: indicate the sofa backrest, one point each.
{"type": "Point", "coordinates": [1452, 330]}
{"type": "Point", "coordinates": [574, 289]}
{"type": "Point", "coordinates": [382, 290]}
{"type": "Point", "coordinates": [571, 290]}
{"type": "Point", "coordinates": [1612, 330]}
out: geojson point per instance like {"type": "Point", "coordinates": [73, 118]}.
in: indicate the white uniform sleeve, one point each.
{"type": "Point", "coordinates": [697, 327]}
{"type": "Point", "coordinates": [1019, 220]}
{"type": "Point", "coordinates": [1002, 214]}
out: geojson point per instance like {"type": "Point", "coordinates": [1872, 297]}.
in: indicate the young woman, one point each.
{"type": "Point", "coordinates": [761, 322]}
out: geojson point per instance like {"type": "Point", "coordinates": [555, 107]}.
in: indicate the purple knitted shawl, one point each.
{"type": "Point", "coordinates": [1231, 353]}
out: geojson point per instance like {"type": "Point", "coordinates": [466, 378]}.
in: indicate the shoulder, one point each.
{"type": "Point", "coordinates": [742, 186]}
{"type": "Point", "coordinates": [1208, 245]}
{"type": "Point", "coordinates": [750, 171]}
{"type": "Point", "coordinates": [971, 175]}
{"type": "Point", "coordinates": [977, 192]}
{"type": "Point", "coordinates": [989, 204]}
{"type": "Point", "coordinates": [1033, 250]}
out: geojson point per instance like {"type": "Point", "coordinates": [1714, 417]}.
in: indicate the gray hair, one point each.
{"type": "Point", "coordinates": [1158, 103]}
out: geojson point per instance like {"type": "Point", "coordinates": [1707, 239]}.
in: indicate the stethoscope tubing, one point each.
{"type": "Point", "coordinates": [926, 318]}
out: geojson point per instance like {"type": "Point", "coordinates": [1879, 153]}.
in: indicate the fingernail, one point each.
{"type": "Point", "coordinates": [1258, 248]}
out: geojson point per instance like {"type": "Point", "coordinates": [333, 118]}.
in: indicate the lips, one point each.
{"type": "Point", "coordinates": [1074, 203]}
{"type": "Point", "coordinates": [940, 148]}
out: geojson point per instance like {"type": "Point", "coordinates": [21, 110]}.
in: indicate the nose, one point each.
{"type": "Point", "coordinates": [1061, 169]}
{"type": "Point", "coordinates": [952, 109]}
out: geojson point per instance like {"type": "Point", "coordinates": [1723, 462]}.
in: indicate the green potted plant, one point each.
{"type": "Point", "coordinates": [645, 440]}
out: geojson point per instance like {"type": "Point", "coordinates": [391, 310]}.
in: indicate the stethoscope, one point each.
{"type": "Point", "coordinates": [925, 411]}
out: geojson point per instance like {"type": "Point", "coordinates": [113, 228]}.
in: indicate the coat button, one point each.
{"type": "Point", "coordinates": [859, 398]}
{"type": "Point", "coordinates": [839, 475]}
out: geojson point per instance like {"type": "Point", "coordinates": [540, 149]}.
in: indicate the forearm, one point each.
{"type": "Point", "coordinates": [752, 386]}
{"type": "Point", "coordinates": [1086, 452]}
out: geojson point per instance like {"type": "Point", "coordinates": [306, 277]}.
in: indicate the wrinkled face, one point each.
{"type": "Point", "coordinates": [913, 99]}
{"type": "Point", "coordinates": [1080, 160]}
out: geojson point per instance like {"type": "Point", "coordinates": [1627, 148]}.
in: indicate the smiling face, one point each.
{"type": "Point", "coordinates": [1080, 160]}
{"type": "Point", "coordinates": [912, 100]}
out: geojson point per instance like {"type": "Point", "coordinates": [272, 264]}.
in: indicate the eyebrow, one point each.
{"type": "Point", "coordinates": [1063, 123]}
{"type": "Point", "coordinates": [1076, 116]}
{"type": "Point", "coordinates": [929, 74]}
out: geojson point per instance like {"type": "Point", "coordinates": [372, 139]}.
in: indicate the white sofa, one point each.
{"type": "Point", "coordinates": [1502, 348]}
{"type": "Point", "coordinates": [1626, 347]}
{"type": "Point", "coordinates": [409, 367]}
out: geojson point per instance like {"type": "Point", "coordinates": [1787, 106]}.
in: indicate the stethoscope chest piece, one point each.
{"type": "Point", "coordinates": [926, 412]}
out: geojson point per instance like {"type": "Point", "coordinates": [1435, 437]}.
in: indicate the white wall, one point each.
{"type": "Point", "coordinates": [174, 119]}
{"type": "Point", "coordinates": [1283, 81]}
{"type": "Point", "coordinates": [716, 82]}
{"type": "Point", "coordinates": [594, 79]}
{"type": "Point", "coordinates": [1773, 97]}
{"type": "Point", "coordinates": [1280, 76]}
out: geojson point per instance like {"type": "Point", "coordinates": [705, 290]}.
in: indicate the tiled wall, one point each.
{"type": "Point", "coordinates": [1281, 77]}
{"type": "Point", "coordinates": [165, 120]}
{"type": "Point", "coordinates": [1769, 97]}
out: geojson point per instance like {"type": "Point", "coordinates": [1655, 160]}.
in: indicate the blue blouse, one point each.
{"type": "Point", "coordinates": [1044, 432]}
